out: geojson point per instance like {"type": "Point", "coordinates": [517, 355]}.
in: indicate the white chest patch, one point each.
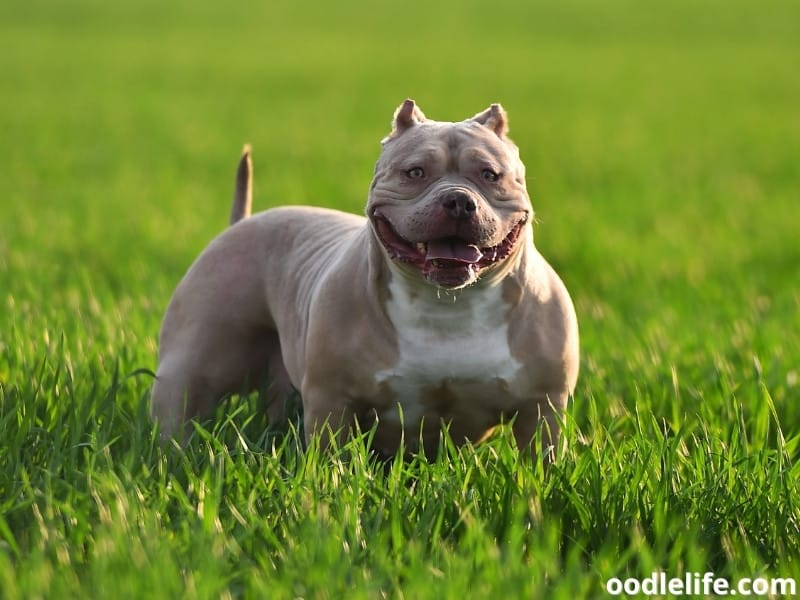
{"type": "Point", "coordinates": [452, 336]}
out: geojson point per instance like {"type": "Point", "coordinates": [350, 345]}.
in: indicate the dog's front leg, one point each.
{"type": "Point", "coordinates": [328, 416]}
{"type": "Point", "coordinates": [540, 421]}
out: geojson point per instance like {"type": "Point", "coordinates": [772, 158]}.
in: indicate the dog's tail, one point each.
{"type": "Point", "coordinates": [243, 195]}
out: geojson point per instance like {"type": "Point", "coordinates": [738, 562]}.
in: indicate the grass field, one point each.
{"type": "Point", "coordinates": [663, 152]}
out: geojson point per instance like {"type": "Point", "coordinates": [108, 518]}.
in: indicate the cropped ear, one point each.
{"type": "Point", "coordinates": [406, 116]}
{"type": "Point", "coordinates": [494, 118]}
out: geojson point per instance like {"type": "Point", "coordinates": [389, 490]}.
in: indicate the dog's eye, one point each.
{"type": "Point", "coordinates": [489, 175]}
{"type": "Point", "coordinates": [415, 173]}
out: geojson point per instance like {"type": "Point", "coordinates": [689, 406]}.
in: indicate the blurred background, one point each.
{"type": "Point", "coordinates": [662, 142]}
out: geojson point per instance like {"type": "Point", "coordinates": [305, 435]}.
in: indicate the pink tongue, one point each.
{"type": "Point", "coordinates": [453, 250]}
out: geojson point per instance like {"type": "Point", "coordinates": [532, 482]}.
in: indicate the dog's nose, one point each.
{"type": "Point", "coordinates": [459, 205]}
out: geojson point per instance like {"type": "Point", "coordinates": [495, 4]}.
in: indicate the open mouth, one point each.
{"type": "Point", "coordinates": [449, 261]}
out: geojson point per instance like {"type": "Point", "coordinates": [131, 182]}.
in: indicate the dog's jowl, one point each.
{"type": "Point", "coordinates": [436, 310]}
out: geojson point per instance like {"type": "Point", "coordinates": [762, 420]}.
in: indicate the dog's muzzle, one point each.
{"type": "Point", "coordinates": [451, 261]}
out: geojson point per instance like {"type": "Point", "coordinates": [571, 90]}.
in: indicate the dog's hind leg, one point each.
{"type": "Point", "coordinates": [197, 371]}
{"type": "Point", "coordinates": [280, 395]}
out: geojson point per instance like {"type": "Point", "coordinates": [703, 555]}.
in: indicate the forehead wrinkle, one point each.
{"type": "Point", "coordinates": [471, 139]}
{"type": "Point", "coordinates": [455, 145]}
{"type": "Point", "coordinates": [424, 155]}
{"type": "Point", "coordinates": [411, 154]}
{"type": "Point", "coordinates": [483, 154]}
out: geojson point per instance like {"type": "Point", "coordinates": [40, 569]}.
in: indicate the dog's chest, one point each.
{"type": "Point", "coordinates": [454, 360]}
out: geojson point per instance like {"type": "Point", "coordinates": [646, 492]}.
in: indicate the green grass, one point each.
{"type": "Point", "coordinates": [661, 145]}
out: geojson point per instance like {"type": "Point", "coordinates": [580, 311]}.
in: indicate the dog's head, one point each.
{"type": "Point", "coordinates": [448, 201]}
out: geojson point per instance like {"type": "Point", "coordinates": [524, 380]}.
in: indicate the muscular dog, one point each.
{"type": "Point", "coordinates": [434, 310]}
